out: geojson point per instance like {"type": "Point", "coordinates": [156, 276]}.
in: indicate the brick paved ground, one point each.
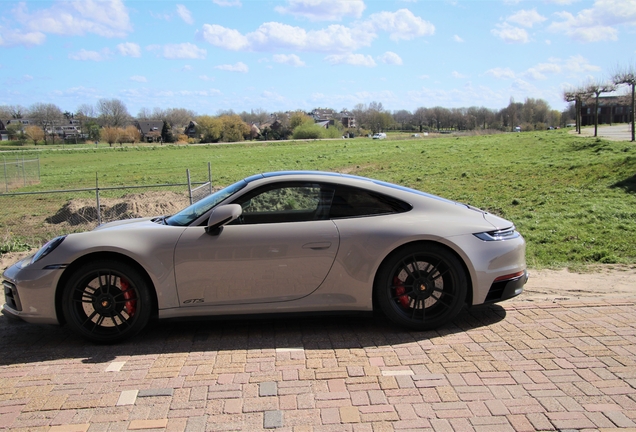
{"type": "Point", "coordinates": [510, 367]}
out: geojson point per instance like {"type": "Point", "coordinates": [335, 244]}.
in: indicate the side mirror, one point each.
{"type": "Point", "coordinates": [222, 215]}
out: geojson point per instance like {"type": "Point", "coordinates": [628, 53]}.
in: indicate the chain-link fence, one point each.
{"type": "Point", "coordinates": [33, 217]}
{"type": "Point", "coordinates": [17, 173]}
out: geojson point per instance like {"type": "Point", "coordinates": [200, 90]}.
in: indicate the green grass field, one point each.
{"type": "Point", "coordinates": [573, 198]}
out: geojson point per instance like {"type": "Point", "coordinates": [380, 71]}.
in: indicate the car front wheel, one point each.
{"type": "Point", "coordinates": [107, 301]}
{"type": "Point", "coordinates": [421, 286]}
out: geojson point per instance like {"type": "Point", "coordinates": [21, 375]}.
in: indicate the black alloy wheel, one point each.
{"type": "Point", "coordinates": [106, 302]}
{"type": "Point", "coordinates": [421, 286]}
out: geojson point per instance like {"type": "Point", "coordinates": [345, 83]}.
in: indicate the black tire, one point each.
{"type": "Point", "coordinates": [421, 286]}
{"type": "Point", "coordinates": [106, 301]}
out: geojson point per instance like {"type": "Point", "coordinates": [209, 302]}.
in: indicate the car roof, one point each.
{"type": "Point", "coordinates": [348, 176]}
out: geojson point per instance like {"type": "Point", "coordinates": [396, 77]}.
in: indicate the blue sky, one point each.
{"type": "Point", "coordinates": [211, 55]}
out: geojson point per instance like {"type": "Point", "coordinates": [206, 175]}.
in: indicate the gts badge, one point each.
{"type": "Point", "coordinates": [193, 301]}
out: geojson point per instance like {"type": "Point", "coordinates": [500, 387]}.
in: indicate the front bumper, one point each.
{"type": "Point", "coordinates": [506, 289]}
{"type": "Point", "coordinates": [29, 294]}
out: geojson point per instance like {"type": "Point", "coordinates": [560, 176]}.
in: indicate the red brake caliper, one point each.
{"type": "Point", "coordinates": [400, 290]}
{"type": "Point", "coordinates": [129, 295]}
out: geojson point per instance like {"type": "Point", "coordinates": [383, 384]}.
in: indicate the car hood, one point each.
{"type": "Point", "coordinates": [121, 223]}
{"type": "Point", "coordinates": [496, 221]}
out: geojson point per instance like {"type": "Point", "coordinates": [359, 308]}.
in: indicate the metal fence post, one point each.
{"type": "Point", "coordinates": [189, 185]}
{"type": "Point", "coordinates": [99, 211]}
{"type": "Point", "coordinates": [210, 176]}
{"type": "Point", "coordinates": [23, 171]}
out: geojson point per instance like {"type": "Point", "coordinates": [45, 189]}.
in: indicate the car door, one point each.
{"type": "Point", "coordinates": [281, 249]}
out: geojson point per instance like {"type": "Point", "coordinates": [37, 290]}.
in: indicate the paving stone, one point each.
{"type": "Point", "coordinates": [127, 397]}
{"type": "Point", "coordinates": [267, 389]}
{"type": "Point", "coordinates": [155, 392]}
{"type": "Point", "coordinates": [567, 365]}
{"type": "Point", "coordinates": [273, 419]}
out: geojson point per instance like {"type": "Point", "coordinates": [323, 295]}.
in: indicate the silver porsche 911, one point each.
{"type": "Point", "coordinates": [303, 242]}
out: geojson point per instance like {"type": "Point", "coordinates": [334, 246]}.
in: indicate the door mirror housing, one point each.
{"type": "Point", "coordinates": [222, 215]}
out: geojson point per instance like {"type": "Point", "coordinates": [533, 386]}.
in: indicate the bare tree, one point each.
{"type": "Point", "coordinates": [47, 116]}
{"type": "Point", "coordinates": [420, 117]}
{"type": "Point", "coordinates": [402, 117]}
{"type": "Point", "coordinates": [34, 133]}
{"type": "Point", "coordinates": [110, 134]}
{"type": "Point", "coordinates": [179, 117]}
{"type": "Point", "coordinates": [577, 95]}
{"type": "Point", "coordinates": [596, 89]}
{"type": "Point", "coordinates": [112, 112]}
{"type": "Point", "coordinates": [627, 76]}
{"type": "Point", "coordinates": [12, 111]}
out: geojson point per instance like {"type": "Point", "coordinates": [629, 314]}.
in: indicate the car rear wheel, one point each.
{"type": "Point", "coordinates": [106, 301]}
{"type": "Point", "coordinates": [421, 286]}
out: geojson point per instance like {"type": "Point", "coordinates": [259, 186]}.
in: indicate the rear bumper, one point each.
{"type": "Point", "coordinates": [507, 289]}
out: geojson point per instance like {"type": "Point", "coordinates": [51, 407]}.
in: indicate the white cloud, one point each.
{"type": "Point", "coordinates": [390, 58]}
{"type": "Point", "coordinates": [578, 64]}
{"type": "Point", "coordinates": [237, 67]}
{"type": "Point", "coordinates": [540, 71]}
{"type": "Point", "coordinates": [510, 34]}
{"type": "Point", "coordinates": [224, 37]}
{"type": "Point", "coordinates": [187, 68]}
{"type": "Point", "coordinates": [351, 59]}
{"type": "Point", "coordinates": [85, 55]}
{"type": "Point", "coordinates": [75, 18]}
{"type": "Point", "coordinates": [16, 37]}
{"type": "Point", "coordinates": [323, 10]}
{"type": "Point", "coordinates": [401, 25]}
{"type": "Point", "coordinates": [185, 14]}
{"type": "Point", "coordinates": [500, 73]}
{"type": "Point", "coordinates": [183, 51]}
{"type": "Point", "coordinates": [205, 78]}
{"type": "Point", "coordinates": [228, 3]}
{"type": "Point", "coordinates": [574, 66]}
{"type": "Point", "coordinates": [456, 38]}
{"type": "Point", "coordinates": [458, 75]}
{"type": "Point", "coordinates": [138, 78]}
{"type": "Point", "coordinates": [561, 2]}
{"type": "Point", "coordinates": [129, 49]}
{"type": "Point", "coordinates": [597, 23]}
{"type": "Point", "coordinates": [292, 60]}
{"type": "Point", "coordinates": [526, 18]}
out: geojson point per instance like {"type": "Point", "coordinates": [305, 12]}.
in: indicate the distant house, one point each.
{"type": "Point", "coordinates": [191, 129]}
{"type": "Point", "coordinates": [347, 119]}
{"type": "Point", "coordinates": [320, 115]}
{"type": "Point", "coordinates": [611, 109]}
{"type": "Point", "coordinates": [4, 127]}
{"type": "Point", "coordinates": [150, 131]}
{"type": "Point", "coordinates": [4, 134]}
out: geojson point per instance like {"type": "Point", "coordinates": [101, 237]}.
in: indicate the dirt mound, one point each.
{"type": "Point", "coordinates": [84, 211]}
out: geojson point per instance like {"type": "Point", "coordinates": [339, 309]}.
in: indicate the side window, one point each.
{"type": "Point", "coordinates": [351, 202]}
{"type": "Point", "coordinates": [286, 202]}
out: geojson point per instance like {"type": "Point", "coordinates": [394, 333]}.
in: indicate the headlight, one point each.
{"type": "Point", "coordinates": [498, 235]}
{"type": "Point", "coordinates": [44, 250]}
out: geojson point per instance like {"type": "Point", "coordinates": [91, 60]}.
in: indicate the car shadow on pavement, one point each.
{"type": "Point", "coordinates": [22, 343]}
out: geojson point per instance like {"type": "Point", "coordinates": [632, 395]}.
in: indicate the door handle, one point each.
{"type": "Point", "coordinates": [317, 245]}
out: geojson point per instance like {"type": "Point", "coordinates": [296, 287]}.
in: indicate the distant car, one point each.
{"type": "Point", "coordinates": [302, 242]}
{"type": "Point", "coordinates": [415, 135]}
{"type": "Point", "coordinates": [379, 136]}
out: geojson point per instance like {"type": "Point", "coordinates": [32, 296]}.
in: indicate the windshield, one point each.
{"type": "Point", "coordinates": [189, 214]}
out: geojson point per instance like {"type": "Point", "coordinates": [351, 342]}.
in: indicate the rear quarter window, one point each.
{"type": "Point", "coordinates": [351, 202]}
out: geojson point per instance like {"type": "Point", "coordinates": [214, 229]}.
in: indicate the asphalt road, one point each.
{"type": "Point", "coordinates": [620, 132]}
